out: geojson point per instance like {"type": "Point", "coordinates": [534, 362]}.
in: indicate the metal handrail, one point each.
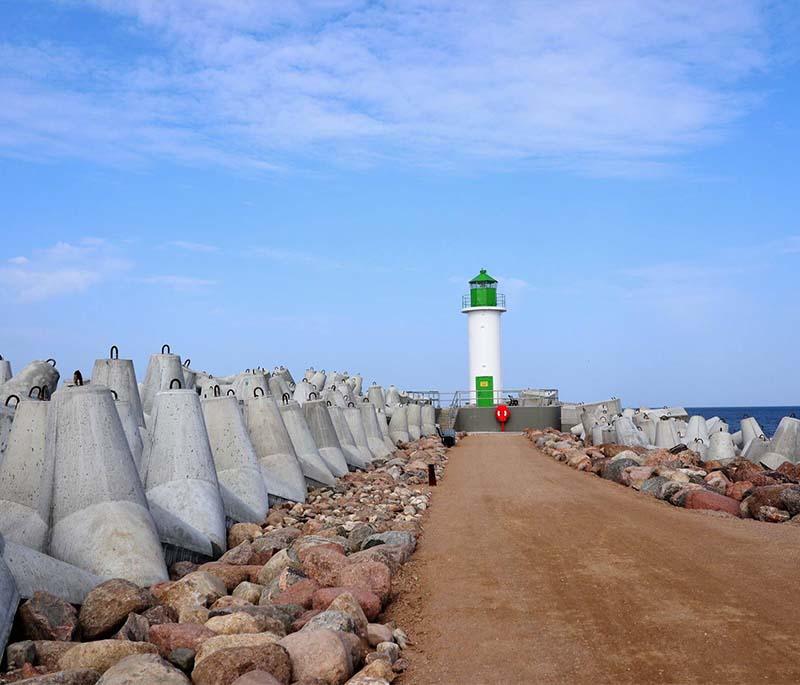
{"type": "Point", "coordinates": [462, 398]}
{"type": "Point", "coordinates": [466, 301]}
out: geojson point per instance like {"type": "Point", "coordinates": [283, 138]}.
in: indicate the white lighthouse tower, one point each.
{"type": "Point", "coordinates": [484, 307]}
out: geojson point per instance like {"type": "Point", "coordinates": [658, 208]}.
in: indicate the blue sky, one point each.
{"type": "Point", "coordinates": [315, 182]}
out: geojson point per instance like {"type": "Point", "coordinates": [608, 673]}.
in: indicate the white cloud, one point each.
{"type": "Point", "coordinates": [192, 247]}
{"type": "Point", "coordinates": [608, 87]}
{"type": "Point", "coordinates": [180, 283]}
{"type": "Point", "coordinates": [280, 254]}
{"type": "Point", "coordinates": [60, 270]}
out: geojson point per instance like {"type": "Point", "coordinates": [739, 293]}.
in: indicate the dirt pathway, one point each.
{"type": "Point", "coordinates": [531, 572]}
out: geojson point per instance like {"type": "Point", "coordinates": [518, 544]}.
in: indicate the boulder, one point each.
{"type": "Point", "coordinates": [318, 654]}
{"type": "Point", "coordinates": [47, 617]}
{"type": "Point", "coordinates": [739, 490]}
{"type": "Point", "coordinates": [171, 636]}
{"type": "Point", "coordinates": [230, 574]}
{"type": "Point", "coordinates": [371, 575]}
{"type": "Point", "coordinates": [766, 496]}
{"type": "Point", "coordinates": [243, 532]}
{"type": "Point", "coordinates": [705, 499]}
{"type": "Point", "coordinates": [221, 642]}
{"type": "Point", "coordinates": [257, 678]}
{"type": "Point", "coordinates": [143, 669]}
{"type": "Point", "coordinates": [634, 476]}
{"type": "Point", "coordinates": [300, 593]}
{"type": "Point", "coordinates": [49, 652]}
{"type": "Point", "coordinates": [107, 607]}
{"type": "Point", "coordinates": [224, 666]}
{"type": "Point", "coordinates": [197, 588]}
{"type": "Point", "coordinates": [249, 592]}
{"type": "Point", "coordinates": [160, 614]}
{"type": "Point", "coordinates": [614, 469]}
{"type": "Point", "coordinates": [101, 655]}
{"type": "Point", "coordinates": [323, 564]}
{"type": "Point", "coordinates": [369, 602]}
{"type": "Point", "coordinates": [236, 623]}
{"type": "Point", "coordinates": [275, 566]}
{"type": "Point", "coordinates": [347, 604]}
{"type": "Point", "coordinates": [70, 677]}
{"type": "Point", "coordinates": [653, 486]}
{"type": "Point", "coordinates": [375, 673]}
{"type": "Point", "coordinates": [136, 628]}
{"type": "Point", "coordinates": [330, 620]}
{"type": "Point", "coordinates": [772, 515]}
{"type": "Point", "coordinates": [377, 633]}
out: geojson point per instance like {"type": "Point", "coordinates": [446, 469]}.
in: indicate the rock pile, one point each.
{"type": "Point", "coordinates": [736, 486]}
{"type": "Point", "coordinates": [295, 599]}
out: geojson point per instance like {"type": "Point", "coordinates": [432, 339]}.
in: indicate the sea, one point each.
{"type": "Point", "coordinates": [768, 417]}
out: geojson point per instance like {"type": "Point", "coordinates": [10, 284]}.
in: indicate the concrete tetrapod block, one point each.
{"type": "Point", "coordinates": [737, 439]}
{"type": "Point", "coordinates": [6, 421]}
{"type": "Point", "coordinates": [280, 468]}
{"type": "Point", "coordinates": [648, 426]}
{"type": "Point", "coordinates": [786, 440]}
{"type": "Point", "coordinates": [578, 431]}
{"type": "Point", "coordinates": [771, 460]}
{"type": "Point", "coordinates": [357, 384]}
{"type": "Point", "coordinates": [372, 430]}
{"type": "Point", "coordinates": [162, 369]}
{"type": "Point", "coordinates": [720, 447]}
{"type": "Point", "coordinates": [355, 422]}
{"type": "Point", "coordinates": [238, 472]}
{"type": "Point", "coordinates": [376, 397]}
{"type": "Point", "coordinates": [133, 431]}
{"type": "Point", "coordinates": [352, 454]}
{"type": "Point", "coordinates": [750, 429]}
{"type": "Point", "coordinates": [9, 600]}
{"type": "Point", "coordinates": [285, 374]}
{"type": "Point", "coordinates": [322, 430]}
{"type": "Point", "coordinates": [398, 424]}
{"type": "Point", "coordinates": [120, 376]}
{"type": "Point", "coordinates": [666, 434]}
{"type": "Point", "coordinates": [5, 370]}
{"type": "Point", "coordinates": [753, 450]}
{"type": "Point", "coordinates": [715, 424]}
{"type": "Point", "coordinates": [428, 420]}
{"type": "Point", "coordinates": [246, 384]}
{"type": "Point", "coordinates": [335, 397]}
{"type": "Point", "coordinates": [317, 380]}
{"type": "Point", "coordinates": [313, 466]}
{"type": "Point", "coordinates": [392, 397]}
{"type": "Point", "coordinates": [180, 476]}
{"type": "Point", "coordinates": [414, 421]}
{"type": "Point", "coordinates": [628, 433]}
{"type": "Point", "coordinates": [100, 520]}
{"type": "Point", "coordinates": [383, 425]}
{"type": "Point", "coordinates": [696, 437]}
{"type": "Point", "coordinates": [603, 434]}
{"type": "Point", "coordinates": [278, 387]}
{"type": "Point", "coordinates": [37, 374]}
{"type": "Point", "coordinates": [304, 391]}
{"type": "Point", "coordinates": [35, 572]}
{"type": "Point", "coordinates": [26, 479]}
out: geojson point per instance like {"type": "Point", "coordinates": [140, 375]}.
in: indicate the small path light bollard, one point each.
{"type": "Point", "coordinates": [431, 474]}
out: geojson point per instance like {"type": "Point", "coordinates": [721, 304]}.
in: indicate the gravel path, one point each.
{"type": "Point", "coordinates": [531, 572]}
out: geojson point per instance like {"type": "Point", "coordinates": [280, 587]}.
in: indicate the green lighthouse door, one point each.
{"type": "Point", "coordinates": [484, 391]}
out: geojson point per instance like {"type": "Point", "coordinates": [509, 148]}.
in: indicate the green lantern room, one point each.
{"type": "Point", "coordinates": [483, 290]}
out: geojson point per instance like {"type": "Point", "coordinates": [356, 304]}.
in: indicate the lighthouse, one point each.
{"type": "Point", "coordinates": [484, 307]}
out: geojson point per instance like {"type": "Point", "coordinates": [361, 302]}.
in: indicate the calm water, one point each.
{"type": "Point", "coordinates": [767, 417]}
